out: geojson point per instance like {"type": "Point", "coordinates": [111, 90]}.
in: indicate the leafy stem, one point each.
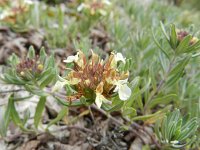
{"type": "Point", "coordinates": [160, 85]}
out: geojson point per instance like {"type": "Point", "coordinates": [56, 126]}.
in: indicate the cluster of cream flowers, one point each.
{"type": "Point", "coordinates": [14, 8]}
{"type": "Point", "coordinates": [99, 76]}
{"type": "Point", "coordinates": [94, 6]}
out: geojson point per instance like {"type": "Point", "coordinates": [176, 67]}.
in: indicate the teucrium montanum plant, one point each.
{"type": "Point", "coordinates": [91, 80]}
{"type": "Point", "coordinates": [96, 79]}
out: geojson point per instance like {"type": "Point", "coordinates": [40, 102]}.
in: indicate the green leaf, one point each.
{"type": "Point", "coordinates": [140, 91]}
{"type": "Point", "coordinates": [157, 129]}
{"type": "Point", "coordinates": [188, 131]}
{"type": "Point", "coordinates": [129, 111]}
{"type": "Point", "coordinates": [51, 62]}
{"type": "Point", "coordinates": [26, 116]}
{"type": "Point", "coordinates": [8, 111]}
{"type": "Point", "coordinates": [116, 107]}
{"type": "Point", "coordinates": [43, 55]}
{"type": "Point", "coordinates": [6, 117]}
{"type": "Point", "coordinates": [145, 117]}
{"type": "Point", "coordinates": [181, 65]}
{"type": "Point", "coordinates": [159, 46]}
{"type": "Point", "coordinates": [157, 114]}
{"type": "Point", "coordinates": [177, 71]}
{"type": "Point", "coordinates": [177, 132]}
{"type": "Point", "coordinates": [47, 79]}
{"type": "Point", "coordinates": [31, 52]}
{"type": "Point", "coordinates": [172, 120]}
{"type": "Point", "coordinates": [135, 82]}
{"type": "Point", "coordinates": [127, 65]}
{"type": "Point", "coordinates": [138, 98]}
{"type": "Point", "coordinates": [16, 119]}
{"type": "Point", "coordinates": [61, 114]}
{"type": "Point", "coordinates": [173, 37]}
{"type": "Point", "coordinates": [13, 60]}
{"type": "Point", "coordinates": [83, 100]}
{"type": "Point", "coordinates": [34, 90]}
{"type": "Point", "coordinates": [39, 109]}
{"type": "Point", "coordinates": [2, 124]}
{"type": "Point", "coordinates": [193, 47]}
{"type": "Point", "coordinates": [15, 116]}
{"type": "Point", "coordinates": [164, 31]}
{"type": "Point", "coordinates": [163, 100]}
{"type": "Point", "coordinates": [173, 79]}
{"type": "Point", "coordinates": [12, 80]}
{"type": "Point", "coordinates": [46, 73]}
{"type": "Point", "coordinates": [183, 45]}
{"type": "Point", "coordinates": [164, 128]}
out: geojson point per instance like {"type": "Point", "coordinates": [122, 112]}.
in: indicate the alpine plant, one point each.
{"type": "Point", "coordinates": [97, 79]}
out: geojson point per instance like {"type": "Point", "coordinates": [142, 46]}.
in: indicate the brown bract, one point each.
{"type": "Point", "coordinates": [29, 67]}
{"type": "Point", "coordinates": [182, 34]}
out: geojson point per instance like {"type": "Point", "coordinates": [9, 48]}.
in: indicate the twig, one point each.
{"type": "Point", "coordinates": [116, 146]}
{"type": "Point", "coordinates": [91, 114]}
{"type": "Point", "coordinates": [73, 127]}
{"type": "Point", "coordinates": [94, 121]}
{"type": "Point", "coordinates": [11, 91]}
{"type": "Point", "coordinates": [147, 132]}
{"type": "Point", "coordinates": [116, 121]}
{"type": "Point", "coordinates": [13, 137]}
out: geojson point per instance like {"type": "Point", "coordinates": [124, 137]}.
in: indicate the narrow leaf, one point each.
{"type": "Point", "coordinates": [183, 45]}
{"type": "Point", "coordinates": [39, 109]}
{"type": "Point", "coordinates": [61, 114]}
{"type": "Point", "coordinates": [31, 52]}
{"type": "Point", "coordinates": [173, 37]}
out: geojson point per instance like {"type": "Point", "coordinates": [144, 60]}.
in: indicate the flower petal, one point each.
{"type": "Point", "coordinates": [99, 88]}
{"type": "Point", "coordinates": [59, 85]}
{"type": "Point", "coordinates": [107, 2]}
{"type": "Point", "coordinates": [124, 92]}
{"type": "Point", "coordinates": [81, 7]}
{"type": "Point", "coordinates": [98, 100]}
{"type": "Point", "coordinates": [123, 81]}
{"type": "Point", "coordinates": [116, 89]}
{"type": "Point", "coordinates": [30, 2]}
{"type": "Point", "coordinates": [70, 59]}
{"type": "Point", "coordinates": [74, 81]}
{"type": "Point", "coordinates": [119, 57]}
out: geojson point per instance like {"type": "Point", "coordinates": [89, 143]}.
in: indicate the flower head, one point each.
{"type": "Point", "coordinates": [29, 68]}
{"type": "Point", "coordinates": [14, 9]}
{"type": "Point", "coordinates": [182, 34]}
{"type": "Point", "coordinates": [95, 6]}
{"type": "Point", "coordinates": [101, 78]}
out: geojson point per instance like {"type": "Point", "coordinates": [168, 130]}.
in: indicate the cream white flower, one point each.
{"type": "Point", "coordinates": [59, 84]}
{"type": "Point", "coordinates": [81, 7]}
{"type": "Point", "coordinates": [100, 99]}
{"type": "Point", "coordinates": [71, 59]}
{"type": "Point", "coordinates": [123, 90]}
{"type": "Point", "coordinates": [107, 2]}
{"type": "Point", "coordinates": [120, 57]}
{"type": "Point", "coordinates": [117, 57]}
{"type": "Point", "coordinates": [30, 2]}
{"type": "Point", "coordinates": [4, 14]}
